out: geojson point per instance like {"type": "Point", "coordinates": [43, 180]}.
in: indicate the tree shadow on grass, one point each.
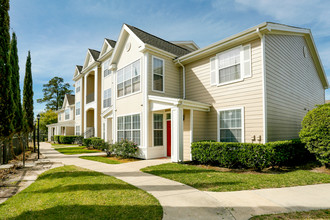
{"type": "Point", "coordinates": [95, 212]}
{"type": "Point", "coordinates": [61, 174]}
{"type": "Point", "coordinates": [164, 171]}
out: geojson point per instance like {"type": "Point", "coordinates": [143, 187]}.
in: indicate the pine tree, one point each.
{"type": "Point", "coordinates": [6, 98]}
{"type": "Point", "coordinates": [28, 97]}
{"type": "Point", "coordinates": [15, 85]}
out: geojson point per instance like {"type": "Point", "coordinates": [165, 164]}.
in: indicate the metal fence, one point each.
{"type": "Point", "coordinates": [16, 147]}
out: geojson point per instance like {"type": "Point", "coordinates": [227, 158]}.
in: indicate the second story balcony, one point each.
{"type": "Point", "coordinates": [90, 98]}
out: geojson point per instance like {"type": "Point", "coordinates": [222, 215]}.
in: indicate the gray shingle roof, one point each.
{"type": "Point", "coordinates": [111, 42]}
{"type": "Point", "coordinates": [158, 42]}
{"type": "Point", "coordinates": [70, 99]}
{"type": "Point", "coordinates": [79, 68]}
{"type": "Point", "coordinates": [94, 53]}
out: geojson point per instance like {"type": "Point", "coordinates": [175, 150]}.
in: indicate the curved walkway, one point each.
{"type": "Point", "coordinates": [180, 201]}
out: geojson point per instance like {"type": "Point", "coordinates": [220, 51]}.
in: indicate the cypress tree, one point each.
{"type": "Point", "coordinates": [15, 85]}
{"type": "Point", "coordinates": [27, 102]}
{"type": "Point", "coordinates": [28, 97]}
{"type": "Point", "coordinates": [6, 98]}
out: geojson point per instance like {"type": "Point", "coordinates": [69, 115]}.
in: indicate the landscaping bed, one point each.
{"type": "Point", "coordinates": [316, 214]}
{"type": "Point", "coordinates": [109, 160]}
{"type": "Point", "coordinates": [209, 178]}
{"type": "Point", "coordinates": [71, 192]}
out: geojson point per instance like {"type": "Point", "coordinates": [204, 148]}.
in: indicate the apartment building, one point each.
{"type": "Point", "coordinates": [255, 86]}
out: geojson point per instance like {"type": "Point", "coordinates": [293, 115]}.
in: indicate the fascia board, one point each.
{"type": "Point", "coordinates": [148, 47]}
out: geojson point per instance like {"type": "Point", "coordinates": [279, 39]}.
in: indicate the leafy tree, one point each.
{"type": "Point", "coordinates": [17, 108]}
{"type": "Point", "coordinates": [6, 97]}
{"type": "Point", "coordinates": [28, 96]}
{"type": "Point", "coordinates": [46, 118]}
{"type": "Point", "coordinates": [315, 132]}
{"type": "Point", "coordinates": [54, 92]}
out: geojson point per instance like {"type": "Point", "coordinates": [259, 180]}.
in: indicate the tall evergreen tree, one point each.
{"type": "Point", "coordinates": [15, 85]}
{"type": "Point", "coordinates": [6, 98]}
{"type": "Point", "coordinates": [54, 92]}
{"type": "Point", "coordinates": [28, 97]}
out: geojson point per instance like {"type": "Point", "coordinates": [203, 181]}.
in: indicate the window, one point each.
{"type": "Point", "coordinates": [231, 128]}
{"type": "Point", "coordinates": [128, 127]}
{"type": "Point", "coordinates": [158, 129]}
{"type": "Point", "coordinates": [59, 116]}
{"type": "Point", "coordinates": [78, 86]}
{"type": "Point", "coordinates": [107, 98]}
{"type": "Point", "coordinates": [106, 71]}
{"type": "Point", "coordinates": [128, 79]}
{"type": "Point", "coordinates": [77, 130]}
{"type": "Point", "coordinates": [67, 114]}
{"type": "Point", "coordinates": [157, 74]}
{"type": "Point", "coordinates": [78, 108]}
{"type": "Point", "coordinates": [231, 65]}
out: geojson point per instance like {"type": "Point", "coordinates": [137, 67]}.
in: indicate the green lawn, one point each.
{"type": "Point", "coordinates": [212, 180]}
{"type": "Point", "coordinates": [100, 159]}
{"type": "Point", "coordinates": [75, 150]}
{"type": "Point", "coordinates": [317, 214]}
{"type": "Point", "coordinates": [71, 192]}
{"type": "Point", "coordinates": [64, 145]}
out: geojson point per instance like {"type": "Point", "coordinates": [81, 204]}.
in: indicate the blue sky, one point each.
{"type": "Point", "coordinates": [59, 32]}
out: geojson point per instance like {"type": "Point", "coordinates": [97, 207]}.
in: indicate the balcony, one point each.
{"type": "Point", "coordinates": [90, 98]}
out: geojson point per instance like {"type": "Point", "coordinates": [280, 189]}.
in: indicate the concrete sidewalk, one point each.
{"type": "Point", "coordinates": [180, 201]}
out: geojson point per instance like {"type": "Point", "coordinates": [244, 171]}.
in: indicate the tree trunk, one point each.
{"type": "Point", "coordinates": [12, 147]}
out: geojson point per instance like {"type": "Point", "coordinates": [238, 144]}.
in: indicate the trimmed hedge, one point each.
{"type": "Point", "coordinates": [94, 142]}
{"type": "Point", "coordinates": [248, 155]}
{"type": "Point", "coordinates": [66, 139]}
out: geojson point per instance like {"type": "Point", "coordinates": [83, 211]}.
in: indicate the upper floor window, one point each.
{"type": "Point", "coordinates": [231, 65]}
{"type": "Point", "coordinates": [67, 114]}
{"type": "Point", "coordinates": [59, 116]}
{"type": "Point", "coordinates": [78, 108]}
{"type": "Point", "coordinates": [106, 70]}
{"type": "Point", "coordinates": [128, 79]}
{"type": "Point", "coordinates": [78, 130]}
{"type": "Point", "coordinates": [231, 125]}
{"type": "Point", "coordinates": [78, 86]}
{"type": "Point", "coordinates": [157, 74]}
{"type": "Point", "coordinates": [107, 98]}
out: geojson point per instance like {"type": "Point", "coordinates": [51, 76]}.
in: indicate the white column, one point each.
{"type": "Point", "coordinates": [191, 129]}
{"type": "Point", "coordinates": [85, 100]}
{"type": "Point", "coordinates": [145, 104]}
{"type": "Point", "coordinates": [176, 134]}
{"type": "Point", "coordinates": [96, 95]}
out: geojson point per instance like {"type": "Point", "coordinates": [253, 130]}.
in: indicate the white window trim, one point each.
{"type": "Point", "coordinates": [66, 114]}
{"type": "Point", "coordinates": [116, 90]}
{"type": "Point", "coordinates": [242, 77]}
{"type": "Point", "coordinates": [130, 114]}
{"type": "Point", "coordinates": [78, 86]}
{"type": "Point", "coordinates": [103, 99]}
{"type": "Point", "coordinates": [106, 69]}
{"type": "Point", "coordinates": [152, 72]}
{"type": "Point", "coordinates": [242, 124]}
{"type": "Point", "coordinates": [78, 108]}
{"type": "Point", "coordinates": [153, 128]}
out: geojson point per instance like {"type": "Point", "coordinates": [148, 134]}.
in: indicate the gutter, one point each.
{"type": "Point", "coordinates": [184, 79]}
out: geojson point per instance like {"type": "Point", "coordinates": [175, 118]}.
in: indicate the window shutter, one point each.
{"type": "Point", "coordinates": [213, 71]}
{"type": "Point", "coordinates": [247, 61]}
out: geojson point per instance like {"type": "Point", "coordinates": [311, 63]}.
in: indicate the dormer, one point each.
{"type": "Point", "coordinates": [91, 59]}
{"type": "Point", "coordinates": [77, 72]}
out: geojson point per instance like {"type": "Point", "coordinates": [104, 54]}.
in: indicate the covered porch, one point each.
{"type": "Point", "coordinates": [61, 128]}
{"type": "Point", "coordinates": [171, 127]}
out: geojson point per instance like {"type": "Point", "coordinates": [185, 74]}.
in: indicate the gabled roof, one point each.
{"type": "Point", "coordinates": [77, 71]}
{"type": "Point", "coordinates": [158, 42]}
{"type": "Point", "coordinates": [111, 42]}
{"type": "Point", "coordinates": [79, 68]}
{"type": "Point", "coordinates": [70, 98]}
{"type": "Point", "coordinates": [95, 54]}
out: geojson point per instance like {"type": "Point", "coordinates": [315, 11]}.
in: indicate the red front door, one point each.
{"type": "Point", "coordinates": [168, 138]}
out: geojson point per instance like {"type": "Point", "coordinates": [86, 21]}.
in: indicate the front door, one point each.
{"type": "Point", "coordinates": [168, 138]}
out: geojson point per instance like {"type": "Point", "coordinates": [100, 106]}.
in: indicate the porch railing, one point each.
{"type": "Point", "coordinates": [90, 98]}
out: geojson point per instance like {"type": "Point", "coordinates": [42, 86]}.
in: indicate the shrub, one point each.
{"type": "Point", "coordinates": [289, 153]}
{"type": "Point", "coordinates": [87, 142]}
{"type": "Point", "coordinates": [315, 132]}
{"type": "Point", "coordinates": [123, 148]}
{"type": "Point", "coordinates": [97, 143]}
{"type": "Point", "coordinates": [79, 140]}
{"type": "Point", "coordinates": [57, 138]}
{"type": "Point", "coordinates": [67, 139]}
{"type": "Point", "coordinates": [248, 155]}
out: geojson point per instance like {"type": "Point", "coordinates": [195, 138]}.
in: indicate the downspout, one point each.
{"type": "Point", "coordinates": [184, 79]}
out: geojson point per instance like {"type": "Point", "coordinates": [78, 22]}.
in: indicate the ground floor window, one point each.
{"type": "Point", "coordinates": [128, 127]}
{"type": "Point", "coordinates": [230, 125]}
{"type": "Point", "coordinates": [77, 130]}
{"type": "Point", "coordinates": [158, 129]}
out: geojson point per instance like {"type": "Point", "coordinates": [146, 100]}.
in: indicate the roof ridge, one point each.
{"type": "Point", "coordinates": [157, 37]}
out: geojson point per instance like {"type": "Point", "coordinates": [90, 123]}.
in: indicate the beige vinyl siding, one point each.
{"type": "Point", "coordinates": [246, 93]}
{"type": "Point", "coordinates": [171, 81]}
{"type": "Point", "coordinates": [127, 57]}
{"type": "Point", "coordinates": [186, 135]}
{"type": "Point", "coordinates": [292, 85]}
